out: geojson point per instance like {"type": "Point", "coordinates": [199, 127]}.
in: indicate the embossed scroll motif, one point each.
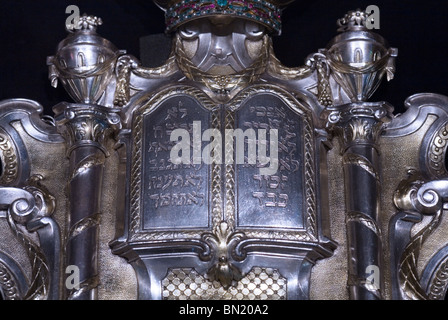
{"type": "Point", "coordinates": [8, 285]}
{"type": "Point", "coordinates": [439, 284]}
{"type": "Point", "coordinates": [436, 154]}
{"type": "Point", "coordinates": [9, 164]}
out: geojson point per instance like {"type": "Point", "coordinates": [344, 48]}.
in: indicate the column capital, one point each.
{"type": "Point", "coordinates": [86, 125]}
{"type": "Point", "coordinates": [358, 122]}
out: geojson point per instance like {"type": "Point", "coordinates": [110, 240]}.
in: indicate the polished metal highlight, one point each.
{"type": "Point", "coordinates": [92, 205]}
{"type": "Point", "coordinates": [360, 125]}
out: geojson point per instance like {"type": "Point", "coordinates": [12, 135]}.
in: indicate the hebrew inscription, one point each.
{"type": "Point", "coordinates": [271, 200]}
{"type": "Point", "coordinates": [174, 195]}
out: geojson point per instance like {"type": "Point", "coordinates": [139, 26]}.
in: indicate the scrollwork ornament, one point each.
{"type": "Point", "coordinates": [128, 65]}
{"type": "Point", "coordinates": [415, 194]}
{"type": "Point", "coordinates": [8, 285]}
{"type": "Point", "coordinates": [19, 215]}
{"type": "Point", "coordinates": [436, 153]}
{"type": "Point", "coordinates": [28, 213]}
{"type": "Point", "coordinates": [8, 157]}
{"type": "Point", "coordinates": [427, 198]}
{"type": "Point", "coordinates": [408, 276]}
{"type": "Point", "coordinates": [438, 286]}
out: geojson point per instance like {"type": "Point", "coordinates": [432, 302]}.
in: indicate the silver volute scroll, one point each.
{"type": "Point", "coordinates": [420, 196]}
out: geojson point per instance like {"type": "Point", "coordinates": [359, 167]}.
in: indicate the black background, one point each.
{"type": "Point", "coordinates": [30, 31]}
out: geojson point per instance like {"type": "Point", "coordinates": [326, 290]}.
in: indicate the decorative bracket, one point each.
{"type": "Point", "coordinates": [29, 210]}
{"type": "Point", "coordinates": [415, 197]}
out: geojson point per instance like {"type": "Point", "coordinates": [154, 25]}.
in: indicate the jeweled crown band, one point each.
{"type": "Point", "coordinates": [258, 10]}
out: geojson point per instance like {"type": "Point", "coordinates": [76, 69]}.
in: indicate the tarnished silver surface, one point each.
{"type": "Point", "coordinates": [291, 184]}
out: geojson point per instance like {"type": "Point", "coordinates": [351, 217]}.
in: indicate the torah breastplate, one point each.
{"type": "Point", "coordinates": [222, 225]}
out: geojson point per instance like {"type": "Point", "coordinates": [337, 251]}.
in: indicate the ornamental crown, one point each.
{"type": "Point", "coordinates": [265, 12]}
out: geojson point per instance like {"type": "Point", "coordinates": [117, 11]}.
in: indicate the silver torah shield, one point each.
{"type": "Point", "coordinates": [221, 220]}
{"type": "Point", "coordinates": [223, 174]}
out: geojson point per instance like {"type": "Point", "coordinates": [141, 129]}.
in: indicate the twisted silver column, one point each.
{"type": "Point", "coordinates": [359, 126]}
{"type": "Point", "coordinates": [86, 129]}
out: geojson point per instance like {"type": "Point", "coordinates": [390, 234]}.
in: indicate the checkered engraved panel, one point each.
{"type": "Point", "coordinates": [258, 284]}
